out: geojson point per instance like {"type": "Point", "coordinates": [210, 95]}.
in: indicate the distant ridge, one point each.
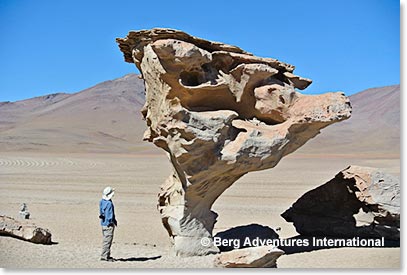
{"type": "Point", "coordinates": [373, 128]}
{"type": "Point", "coordinates": [103, 118]}
{"type": "Point", "coordinates": [106, 118]}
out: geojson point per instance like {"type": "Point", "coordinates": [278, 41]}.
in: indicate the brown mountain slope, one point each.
{"type": "Point", "coordinates": [106, 118]}
{"type": "Point", "coordinates": [374, 127]}
{"type": "Point", "coordinates": [103, 118]}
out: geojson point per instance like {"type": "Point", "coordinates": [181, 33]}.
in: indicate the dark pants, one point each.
{"type": "Point", "coordinates": [107, 241]}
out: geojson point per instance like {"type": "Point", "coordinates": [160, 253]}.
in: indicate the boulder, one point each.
{"type": "Point", "coordinates": [261, 256]}
{"type": "Point", "coordinates": [219, 112]}
{"type": "Point", "coordinates": [358, 202]}
{"type": "Point", "coordinates": [24, 230]}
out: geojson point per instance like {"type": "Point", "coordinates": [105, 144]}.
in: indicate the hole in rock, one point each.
{"type": "Point", "coordinates": [221, 98]}
{"type": "Point", "coordinates": [191, 78]}
{"type": "Point", "coordinates": [282, 99]}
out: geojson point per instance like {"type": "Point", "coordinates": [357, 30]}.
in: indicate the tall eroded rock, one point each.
{"type": "Point", "coordinates": [219, 112]}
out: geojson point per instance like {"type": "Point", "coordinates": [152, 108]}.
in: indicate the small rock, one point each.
{"type": "Point", "coordinates": [261, 256]}
{"type": "Point", "coordinates": [24, 230]}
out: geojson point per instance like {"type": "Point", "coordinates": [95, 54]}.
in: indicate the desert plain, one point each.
{"type": "Point", "coordinates": [62, 192]}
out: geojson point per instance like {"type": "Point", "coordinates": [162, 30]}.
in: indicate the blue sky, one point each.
{"type": "Point", "coordinates": [67, 46]}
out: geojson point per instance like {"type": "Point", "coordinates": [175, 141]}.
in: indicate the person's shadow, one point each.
{"type": "Point", "coordinates": [138, 259]}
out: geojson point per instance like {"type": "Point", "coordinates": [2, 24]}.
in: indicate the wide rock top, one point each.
{"type": "Point", "coordinates": [132, 46]}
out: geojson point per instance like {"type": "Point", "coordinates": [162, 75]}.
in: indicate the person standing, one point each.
{"type": "Point", "coordinates": [108, 222]}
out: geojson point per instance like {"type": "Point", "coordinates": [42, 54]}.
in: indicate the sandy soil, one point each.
{"type": "Point", "coordinates": [63, 191]}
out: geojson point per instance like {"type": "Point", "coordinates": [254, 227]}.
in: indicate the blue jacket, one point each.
{"type": "Point", "coordinates": [106, 209]}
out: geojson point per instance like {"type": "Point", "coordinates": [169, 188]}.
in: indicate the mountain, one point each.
{"type": "Point", "coordinates": [103, 118]}
{"type": "Point", "coordinates": [374, 127]}
{"type": "Point", "coordinates": [106, 118]}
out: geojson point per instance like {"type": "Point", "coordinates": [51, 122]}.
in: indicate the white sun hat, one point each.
{"type": "Point", "coordinates": [108, 193]}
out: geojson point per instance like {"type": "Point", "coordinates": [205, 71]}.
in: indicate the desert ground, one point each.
{"type": "Point", "coordinates": [62, 192]}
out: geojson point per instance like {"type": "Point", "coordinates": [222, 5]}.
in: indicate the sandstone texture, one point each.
{"type": "Point", "coordinates": [24, 230]}
{"type": "Point", "coordinates": [219, 112]}
{"type": "Point", "coordinates": [359, 201]}
{"type": "Point", "coordinates": [261, 256]}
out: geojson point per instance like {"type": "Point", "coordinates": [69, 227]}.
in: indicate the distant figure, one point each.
{"type": "Point", "coordinates": [108, 222]}
{"type": "Point", "coordinates": [24, 214]}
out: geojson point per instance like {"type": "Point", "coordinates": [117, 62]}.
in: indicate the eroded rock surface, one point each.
{"type": "Point", "coordinates": [219, 112]}
{"type": "Point", "coordinates": [24, 230]}
{"type": "Point", "coordinates": [359, 201]}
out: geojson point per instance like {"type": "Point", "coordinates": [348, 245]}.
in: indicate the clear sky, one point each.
{"type": "Point", "coordinates": [67, 46]}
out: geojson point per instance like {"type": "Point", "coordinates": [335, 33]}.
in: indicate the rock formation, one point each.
{"type": "Point", "coordinates": [358, 202]}
{"type": "Point", "coordinates": [219, 112]}
{"type": "Point", "coordinates": [24, 230]}
{"type": "Point", "coordinates": [261, 256]}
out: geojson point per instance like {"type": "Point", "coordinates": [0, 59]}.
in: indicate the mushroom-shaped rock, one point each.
{"type": "Point", "coordinates": [219, 112]}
